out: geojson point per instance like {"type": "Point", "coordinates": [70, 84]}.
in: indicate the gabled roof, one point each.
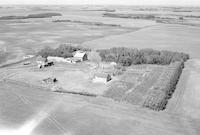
{"type": "Point", "coordinates": [79, 54]}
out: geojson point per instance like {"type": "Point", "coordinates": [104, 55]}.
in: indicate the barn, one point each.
{"type": "Point", "coordinates": [80, 55]}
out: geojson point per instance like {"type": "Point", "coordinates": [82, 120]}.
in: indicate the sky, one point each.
{"type": "Point", "coordinates": [104, 2]}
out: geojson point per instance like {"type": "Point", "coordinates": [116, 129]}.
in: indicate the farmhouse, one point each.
{"type": "Point", "coordinates": [101, 78]}
{"type": "Point", "coordinates": [80, 55]}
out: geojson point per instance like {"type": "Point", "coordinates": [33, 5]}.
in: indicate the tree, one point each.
{"type": "Point", "coordinates": [62, 51]}
{"type": "Point", "coordinates": [94, 57]}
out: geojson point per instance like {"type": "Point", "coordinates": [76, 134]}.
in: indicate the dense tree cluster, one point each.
{"type": "Point", "coordinates": [133, 16]}
{"type": "Point", "coordinates": [3, 56]}
{"type": "Point", "coordinates": [39, 15]}
{"type": "Point", "coordinates": [163, 89]}
{"type": "Point", "coordinates": [128, 56]}
{"type": "Point", "coordinates": [62, 51]}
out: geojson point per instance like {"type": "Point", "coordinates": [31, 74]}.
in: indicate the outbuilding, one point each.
{"type": "Point", "coordinates": [56, 59]}
{"type": "Point", "coordinates": [80, 55]}
{"type": "Point", "coordinates": [101, 78]}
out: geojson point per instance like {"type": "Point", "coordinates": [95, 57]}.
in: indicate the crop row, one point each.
{"type": "Point", "coordinates": [132, 88]}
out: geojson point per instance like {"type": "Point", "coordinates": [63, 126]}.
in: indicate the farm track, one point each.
{"type": "Point", "coordinates": [174, 103]}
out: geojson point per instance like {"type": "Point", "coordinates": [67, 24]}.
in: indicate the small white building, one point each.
{"type": "Point", "coordinates": [56, 59]}
{"type": "Point", "coordinates": [80, 55]}
{"type": "Point", "coordinates": [28, 56]}
{"type": "Point", "coordinates": [101, 78]}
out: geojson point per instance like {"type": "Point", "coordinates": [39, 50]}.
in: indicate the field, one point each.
{"type": "Point", "coordinates": [29, 106]}
{"type": "Point", "coordinates": [164, 37]}
{"type": "Point", "coordinates": [51, 113]}
{"type": "Point", "coordinates": [133, 85]}
{"type": "Point", "coordinates": [27, 36]}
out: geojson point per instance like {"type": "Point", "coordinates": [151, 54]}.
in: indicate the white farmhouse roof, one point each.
{"type": "Point", "coordinates": [79, 54]}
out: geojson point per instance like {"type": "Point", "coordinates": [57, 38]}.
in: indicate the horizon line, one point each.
{"type": "Point", "coordinates": [147, 5]}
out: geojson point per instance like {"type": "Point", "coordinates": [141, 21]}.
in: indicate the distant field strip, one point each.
{"type": "Point", "coordinates": [88, 23]}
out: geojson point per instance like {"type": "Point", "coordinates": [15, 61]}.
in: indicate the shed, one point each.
{"type": "Point", "coordinates": [101, 78]}
{"type": "Point", "coordinates": [81, 55]}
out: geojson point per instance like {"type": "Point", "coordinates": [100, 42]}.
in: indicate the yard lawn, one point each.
{"type": "Point", "coordinates": [73, 78]}
{"type": "Point", "coordinates": [79, 82]}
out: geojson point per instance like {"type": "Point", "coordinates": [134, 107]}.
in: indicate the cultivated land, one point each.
{"type": "Point", "coordinates": [28, 106]}
{"type": "Point", "coordinates": [163, 37]}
